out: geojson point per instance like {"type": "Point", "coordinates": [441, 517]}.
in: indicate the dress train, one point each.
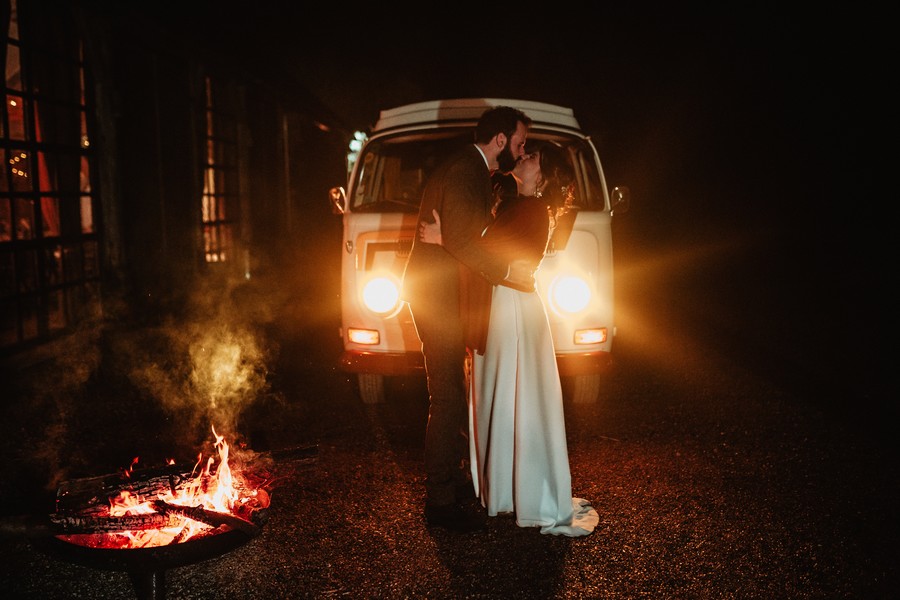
{"type": "Point", "coordinates": [517, 437]}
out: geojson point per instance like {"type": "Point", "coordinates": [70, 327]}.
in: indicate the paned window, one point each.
{"type": "Point", "coordinates": [221, 189]}
{"type": "Point", "coordinates": [49, 250]}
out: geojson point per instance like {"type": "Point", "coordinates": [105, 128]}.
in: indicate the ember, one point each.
{"type": "Point", "coordinates": [167, 507]}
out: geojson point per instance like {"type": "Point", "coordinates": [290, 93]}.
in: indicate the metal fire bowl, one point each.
{"type": "Point", "coordinates": [145, 560]}
{"type": "Point", "coordinates": [146, 565]}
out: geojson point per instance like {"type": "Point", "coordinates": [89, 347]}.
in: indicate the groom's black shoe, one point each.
{"type": "Point", "coordinates": [453, 518]}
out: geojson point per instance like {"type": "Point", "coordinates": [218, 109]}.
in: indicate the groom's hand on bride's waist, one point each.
{"type": "Point", "coordinates": [520, 276]}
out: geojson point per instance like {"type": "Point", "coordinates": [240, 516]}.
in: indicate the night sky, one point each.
{"type": "Point", "coordinates": [721, 116]}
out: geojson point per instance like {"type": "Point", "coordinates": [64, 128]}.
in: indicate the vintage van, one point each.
{"type": "Point", "coordinates": [379, 207]}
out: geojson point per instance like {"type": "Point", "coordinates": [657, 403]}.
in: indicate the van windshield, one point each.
{"type": "Point", "coordinates": [392, 171]}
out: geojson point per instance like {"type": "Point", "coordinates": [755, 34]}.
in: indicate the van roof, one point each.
{"type": "Point", "coordinates": [465, 112]}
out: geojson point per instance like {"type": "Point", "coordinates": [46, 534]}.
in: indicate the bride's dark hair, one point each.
{"type": "Point", "coordinates": [559, 193]}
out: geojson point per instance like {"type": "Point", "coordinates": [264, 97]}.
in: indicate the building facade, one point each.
{"type": "Point", "coordinates": [141, 163]}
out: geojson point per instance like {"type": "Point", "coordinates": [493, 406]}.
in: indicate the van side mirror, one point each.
{"type": "Point", "coordinates": [620, 199]}
{"type": "Point", "coordinates": [338, 198]}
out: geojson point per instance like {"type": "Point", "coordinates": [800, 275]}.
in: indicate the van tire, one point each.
{"type": "Point", "coordinates": [371, 388]}
{"type": "Point", "coordinates": [585, 389]}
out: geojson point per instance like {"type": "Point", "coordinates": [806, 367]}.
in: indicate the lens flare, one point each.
{"type": "Point", "coordinates": [570, 294]}
{"type": "Point", "coordinates": [381, 295]}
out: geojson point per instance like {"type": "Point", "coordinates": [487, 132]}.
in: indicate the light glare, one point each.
{"type": "Point", "coordinates": [381, 295]}
{"type": "Point", "coordinates": [570, 294]}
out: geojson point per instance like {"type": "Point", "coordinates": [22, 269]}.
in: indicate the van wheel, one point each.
{"type": "Point", "coordinates": [371, 388]}
{"type": "Point", "coordinates": [585, 389]}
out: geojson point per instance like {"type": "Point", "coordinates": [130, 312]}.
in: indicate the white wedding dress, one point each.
{"type": "Point", "coordinates": [517, 436]}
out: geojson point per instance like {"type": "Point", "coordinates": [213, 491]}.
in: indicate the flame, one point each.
{"type": "Point", "coordinates": [213, 487]}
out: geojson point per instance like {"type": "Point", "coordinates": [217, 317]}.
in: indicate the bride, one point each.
{"type": "Point", "coordinates": [517, 437]}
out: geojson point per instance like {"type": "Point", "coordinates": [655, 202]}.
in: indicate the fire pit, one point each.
{"type": "Point", "coordinates": [145, 566]}
{"type": "Point", "coordinates": [146, 522]}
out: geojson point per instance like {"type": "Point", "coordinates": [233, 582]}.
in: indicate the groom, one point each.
{"type": "Point", "coordinates": [443, 285]}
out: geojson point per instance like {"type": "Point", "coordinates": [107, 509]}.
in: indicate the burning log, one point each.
{"type": "Point", "coordinates": [90, 495]}
{"type": "Point", "coordinates": [89, 511]}
{"type": "Point", "coordinates": [209, 517]}
{"type": "Point", "coordinates": [78, 524]}
{"type": "Point", "coordinates": [82, 524]}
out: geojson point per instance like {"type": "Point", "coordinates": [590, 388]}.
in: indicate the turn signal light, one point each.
{"type": "Point", "coordinates": [590, 336]}
{"type": "Point", "coordinates": [363, 336]}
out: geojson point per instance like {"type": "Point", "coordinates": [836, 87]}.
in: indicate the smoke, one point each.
{"type": "Point", "coordinates": [44, 391]}
{"type": "Point", "coordinates": [228, 370]}
{"type": "Point", "coordinates": [213, 361]}
{"type": "Point", "coordinates": [119, 388]}
{"type": "Point", "coordinates": [77, 358]}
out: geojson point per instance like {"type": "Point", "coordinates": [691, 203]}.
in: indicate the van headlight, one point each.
{"type": "Point", "coordinates": [569, 294]}
{"type": "Point", "coordinates": [381, 295]}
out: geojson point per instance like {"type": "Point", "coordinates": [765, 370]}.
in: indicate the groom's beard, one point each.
{"type": "Point", "coordinates": [505, 161]}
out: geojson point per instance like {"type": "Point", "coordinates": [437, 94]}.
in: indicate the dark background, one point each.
{"type": "Point", "coordinates": [752, 145]}
{"type": "Point", "coordinates": [750, 142]}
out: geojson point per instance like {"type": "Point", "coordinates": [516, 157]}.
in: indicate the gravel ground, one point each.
{"type": "Point", "coordinates": [719, 469]}
{"type": "Point", "coordinates": [710, 481]}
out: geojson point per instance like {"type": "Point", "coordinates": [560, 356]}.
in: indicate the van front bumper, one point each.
{"type": "Point", "coordinates": [383, 363]}
{"type": "Point", "coordinates": [592, 363]}
{"type": "Point", "coordinates": [409, 363]}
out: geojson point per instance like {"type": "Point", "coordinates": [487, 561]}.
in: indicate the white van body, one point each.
{"type": "Point", "coordinates": [380, 214]}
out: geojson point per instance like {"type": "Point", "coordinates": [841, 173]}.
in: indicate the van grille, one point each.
{"type": "Point", "coordinates": [404, 245]}
{"type": "Point", "coordinates": [400, 248]}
